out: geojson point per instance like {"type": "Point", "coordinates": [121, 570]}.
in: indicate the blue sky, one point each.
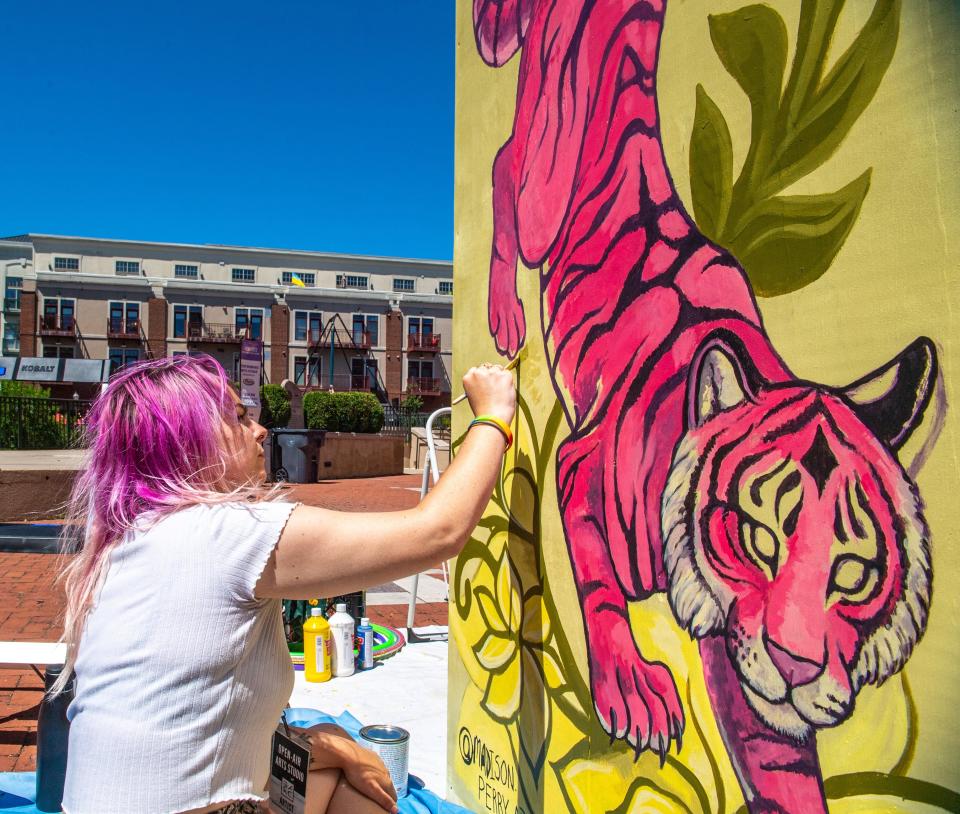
{"type": "Point", "coordinates": [312, 125]}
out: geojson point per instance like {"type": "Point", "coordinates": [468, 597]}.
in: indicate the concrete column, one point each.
{"type": "Point", "coordinates": [393, 375]}
{"type": "Point", "coordinates": [279, 342]}
{"type": "Point", "coordinates": [157, 327]}
{"type": "Point", "coordinates": [28, 323]}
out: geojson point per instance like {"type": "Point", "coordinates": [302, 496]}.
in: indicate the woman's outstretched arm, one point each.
{"type": "Point", "coordinates": [326, 553]}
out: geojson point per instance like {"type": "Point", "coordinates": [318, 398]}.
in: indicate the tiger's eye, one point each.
{"type": "Point", "coordinates": [848, 575]}
{"type": "Point", "coordinates": [762, 545]}
{"type": "Point", "coordinates": [765, 543]}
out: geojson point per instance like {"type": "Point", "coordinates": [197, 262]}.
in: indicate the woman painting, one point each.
{"type": "Point", "coordinates": [173, 618]}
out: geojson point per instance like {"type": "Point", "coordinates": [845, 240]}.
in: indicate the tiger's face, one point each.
{"type": "Point", "coordinates": [791, 529]}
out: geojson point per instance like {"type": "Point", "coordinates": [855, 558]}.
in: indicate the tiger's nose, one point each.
{"type": "Point", "coordinates": [795, 670]}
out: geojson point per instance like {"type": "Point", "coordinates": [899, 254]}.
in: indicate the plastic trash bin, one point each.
{"type": "Point", "coordinates": [53, 732]}
{"type": "Point", "coordinates": [294, 454]}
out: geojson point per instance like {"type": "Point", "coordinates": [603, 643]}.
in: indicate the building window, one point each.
{"type": "Point", "coordinates": [249, 321]}
{"type": "Point", "coordinates": [308, 278]}
{"type": "Point", "coordinates": [187, 317]}
{"type": "Point", "coordinates": [363, 373]}
{"type": "Point", "coordinates": [58, 351]}
{"type": "Point", "coordinates": [121, 357]}
{"type": "Point", "coordinates": [352, 281]}
{"type": "Point", "coordinates": [445, 287]}
{"type": "Point", "coordinates": [58, 314]}
{"type": "Point", "coordinates": [11, 294]}
{"type": "Point", "coordinates": [11, 338]}
{"type": "Point", "coordinates": [243, 275]}
{"type": "Point", "coordinates": [66, 263]}
{"type": "Point", "coordinates": [403, 284]}
{"type": "Point", "coordinates": [306, 372]}
{"type": "Point", "coordinates": [420, 325]}
{"type": "Point", "coordinates": [127, 266]}
{"type": "Point", "coordinates": [186, 271]}
{"type": "Point", "coordinates": [419, 369]}
{"type": "Point", "coordinates": [369, 324]}
{"type": "Point", "coordinates": [124, 317]}
{"type": "Point", "coordinates": [307, 326]}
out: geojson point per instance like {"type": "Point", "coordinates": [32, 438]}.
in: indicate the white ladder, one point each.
{"type": "Point", "coordinates": [430, 468]}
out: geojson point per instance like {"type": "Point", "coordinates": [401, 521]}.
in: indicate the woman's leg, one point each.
{"type": "Point", "coordinates": [329, 793]}
{"type": "Point", "coordinates": [347, 800]}
{"type": "Point", "coordinates": [321, 786]}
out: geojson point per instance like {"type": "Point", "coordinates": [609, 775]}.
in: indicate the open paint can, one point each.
{"type": "Point", "coordinates": [393, 745]}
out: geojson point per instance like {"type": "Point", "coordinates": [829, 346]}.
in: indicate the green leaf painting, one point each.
{"type": "Point", "coordinates": [786, 242]}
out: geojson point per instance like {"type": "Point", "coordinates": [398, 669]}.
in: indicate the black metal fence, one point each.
{"type": "Point", "coordinates": [397, 421]}
{"type": "Point", "coordinates": [41, 423]}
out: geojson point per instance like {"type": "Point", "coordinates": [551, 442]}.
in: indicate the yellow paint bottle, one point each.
{"type": "Point", "coordinates": [317, 647]}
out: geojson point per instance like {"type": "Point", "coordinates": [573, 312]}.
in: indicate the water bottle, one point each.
{"type": "Point", "coordinates": [365, 638]}
{"type": "Point", "coordinates": [341, 630]}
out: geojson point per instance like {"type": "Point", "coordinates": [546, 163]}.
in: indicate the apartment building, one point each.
{"type": "Point", "coordinates": [378, 324]}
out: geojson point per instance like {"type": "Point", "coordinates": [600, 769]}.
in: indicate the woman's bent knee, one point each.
{"type": "Point", "coordinates": [321, 786]}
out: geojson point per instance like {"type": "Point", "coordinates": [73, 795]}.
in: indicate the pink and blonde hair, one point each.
{"type": "Point", "coordinates": [155, 445]}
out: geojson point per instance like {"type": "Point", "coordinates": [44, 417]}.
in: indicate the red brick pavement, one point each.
{"type": "Point", "coordinates": [31, 605]}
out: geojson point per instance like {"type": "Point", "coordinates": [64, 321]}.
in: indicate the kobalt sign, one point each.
{"type": "Point", "coordinates": [38, 369]}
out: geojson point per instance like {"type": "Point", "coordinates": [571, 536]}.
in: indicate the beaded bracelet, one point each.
{"type": "Point", "coordinates": [500, 424]}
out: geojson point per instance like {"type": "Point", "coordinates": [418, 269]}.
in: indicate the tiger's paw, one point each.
{"type": "Point", "coordinates": [637, 702]}
{"type": "Point", "coordinates": [508, 325]}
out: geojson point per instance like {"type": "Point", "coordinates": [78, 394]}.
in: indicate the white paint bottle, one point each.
{"type": "Point", "coordinates": [341, 631]}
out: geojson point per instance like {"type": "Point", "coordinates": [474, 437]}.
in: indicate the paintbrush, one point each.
{"type": "Point", "coordinates": [510, 366]}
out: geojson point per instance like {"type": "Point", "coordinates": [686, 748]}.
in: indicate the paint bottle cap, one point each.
{"type": "Point", "coordinates": [341, 607]}
{"type": "Point", "coordinates": [316, 612]}
{"type": "Point", "coordinates": [364, 621]}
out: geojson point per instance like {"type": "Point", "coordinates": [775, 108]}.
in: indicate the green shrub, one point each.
{"type": "Point", "coordinates": [30, 420]}
{"type": "Point", "coordinates": [274, 406]}
{"type": "Point", "coordinates": [412, 404]}
{"type": "Point", "coordinates": [23, 390]}
{"type": "Point", "coordinates": [342, 412]}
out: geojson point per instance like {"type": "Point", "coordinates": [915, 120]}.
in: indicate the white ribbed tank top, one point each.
{"type": "Point", "coordinates": [182, 673]}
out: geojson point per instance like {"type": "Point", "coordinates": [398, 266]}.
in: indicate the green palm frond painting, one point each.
{"type": "Point", "coordinates": [785, 242]}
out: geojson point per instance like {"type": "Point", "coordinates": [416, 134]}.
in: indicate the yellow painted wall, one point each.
{"type": "Point", "coordinates": [522, 732]}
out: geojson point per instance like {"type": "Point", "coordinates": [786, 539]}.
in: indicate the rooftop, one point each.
{"type": "Point", "coordinates": [31, 237]}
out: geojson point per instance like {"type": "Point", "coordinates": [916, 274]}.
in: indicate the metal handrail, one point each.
{"type": "Point", "coordinates": [56, 324]}
{"type": "Point", "coordinates": [118, 327]}
{"type": "Point", "coordinates": [430, 466]}
{"type": "Point", "coordinates": [423, 384]}
{"type": "Point", "coordinates": [427, 341]}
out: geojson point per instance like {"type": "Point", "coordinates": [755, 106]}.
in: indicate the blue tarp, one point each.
{"type": "Point", "coordinates": [17, 788]}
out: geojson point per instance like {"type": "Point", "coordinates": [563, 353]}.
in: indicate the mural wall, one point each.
{"type": "Point", "coordinates": [718, 572]}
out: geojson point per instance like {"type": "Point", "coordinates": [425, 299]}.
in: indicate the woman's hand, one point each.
{"type": "Point", "coordinates": [367, 774]}
{"type": "Point", "coordinates": [332, 747]}
{"type": "Point", "coordinates": [491, 390]}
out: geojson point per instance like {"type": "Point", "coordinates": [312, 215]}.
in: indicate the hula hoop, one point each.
{"type": "Point", "coordinates": [387, 641]}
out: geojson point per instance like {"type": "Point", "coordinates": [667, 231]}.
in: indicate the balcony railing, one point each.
{"type": "Point", "coordinates": [352, 340]}
{"type": "Point", "coordinates": [54, 325]}
{"type": "Point", "coordinates": [419, 386]}
{"type": "Point", "coordinates": [423, 342]}
{"type": "Point", "coordinates": [119, 328]}
{"type": "Point", "coordinates": [342, 382]}
{"type": "Point", "coordinates": [216, 332]}
{"type": "Point", "coordinates": [11, 305]}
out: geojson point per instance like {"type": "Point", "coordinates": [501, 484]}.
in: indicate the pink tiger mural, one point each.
{"type": "Point", "coordinates": [773, 512]}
